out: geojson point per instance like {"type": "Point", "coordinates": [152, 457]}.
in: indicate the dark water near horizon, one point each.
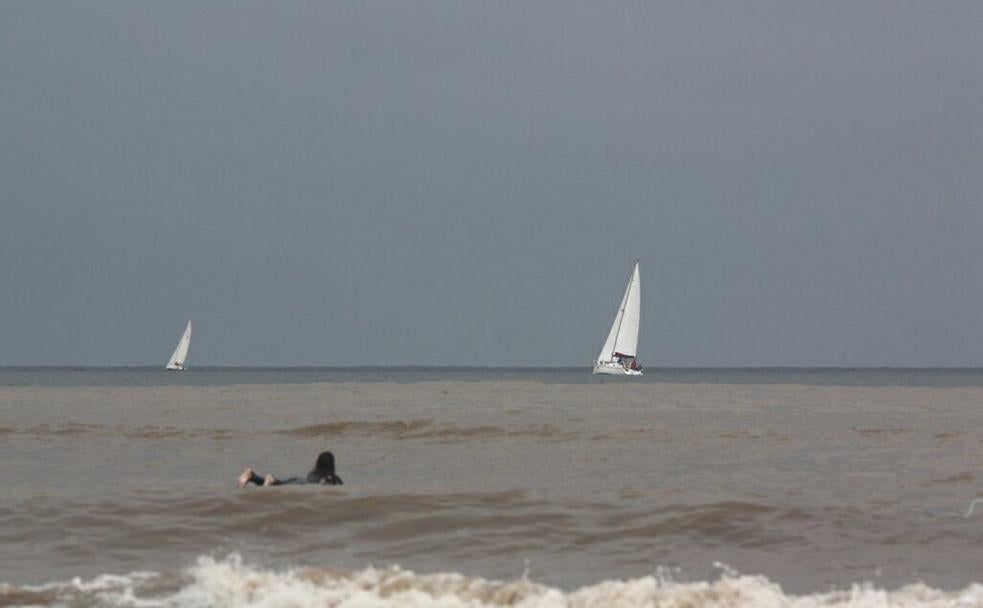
{"type": "Point", "coordinates": [469, 486]}
{"type": "Point", "coordinates": [227, 376]}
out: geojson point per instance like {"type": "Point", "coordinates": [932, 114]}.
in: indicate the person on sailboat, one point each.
{"type": "Point", "coordinates": [323, 474]}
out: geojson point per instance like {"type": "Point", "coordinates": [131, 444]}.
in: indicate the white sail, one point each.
{"type": "Point", "coordinates": [607, 352]}
{"type": "Point", "coordinates": [627, 340]}
{"type": "Point", "coordinates": [623, 338]}
{"type": "Point", "coordinates": [180, 354]}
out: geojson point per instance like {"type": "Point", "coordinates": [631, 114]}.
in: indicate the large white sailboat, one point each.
{"type": "Point", "coordinates": [620, 353]}
{"type": "Point", "coordinates": [180, 354]}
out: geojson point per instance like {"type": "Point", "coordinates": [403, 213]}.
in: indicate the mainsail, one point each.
{"type": "Point", "coordinates": [623, 338]}
{"type": "Point", "coordinates": [181, 352]}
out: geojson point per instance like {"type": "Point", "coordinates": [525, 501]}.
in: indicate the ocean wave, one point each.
{"type": "Point", "coordinates": [419, 429]}
{"type": "Point", "coordinates": [359, 427]}
{"type": "Point", "coordinates": [427, 429]}
{"type": "Point", "coordinates": [416, 429]}
{"type": "Point", "coordinates": [71, 429]}
{"type": "Point", "coordinates": [230, 582]}
{"type": "Point", "coordinates": [400, 525]}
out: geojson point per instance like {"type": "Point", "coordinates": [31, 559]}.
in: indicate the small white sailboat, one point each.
{"type": "Point", "coordinates": [180, 354]}
{"type": "Point", "coordinates": [620, 353]}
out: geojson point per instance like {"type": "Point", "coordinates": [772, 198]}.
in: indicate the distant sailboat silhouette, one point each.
{"type": "Point", "coordinates": [180, 355]}
{"type": "Point", "coordinates": [619, 356]}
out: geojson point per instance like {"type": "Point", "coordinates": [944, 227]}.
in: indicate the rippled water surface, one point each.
{"type": "Point", "coordinates": [811, 479]}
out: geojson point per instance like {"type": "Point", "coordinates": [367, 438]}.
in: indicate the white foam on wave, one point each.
{"type": "Point", "coordinates": [229, 582]}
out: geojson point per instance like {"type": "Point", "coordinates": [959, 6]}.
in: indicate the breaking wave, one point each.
{"type": "Point", "coordinates": [230, 582]}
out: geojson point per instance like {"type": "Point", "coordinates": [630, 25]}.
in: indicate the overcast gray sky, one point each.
{"type": "Point", "coordinates": [333, 183]}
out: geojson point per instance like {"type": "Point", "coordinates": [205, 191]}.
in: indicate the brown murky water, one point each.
{"type": "Point", "coordinates": [571, 485]}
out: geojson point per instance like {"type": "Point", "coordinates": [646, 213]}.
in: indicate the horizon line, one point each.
{"type": "Point", "coordinates": [415, 367]}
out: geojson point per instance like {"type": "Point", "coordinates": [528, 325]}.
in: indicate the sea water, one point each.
{"type": "Point", "coordinates": [469, 487]}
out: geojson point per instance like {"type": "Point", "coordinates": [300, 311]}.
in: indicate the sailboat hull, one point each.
{"type": "Point", "coordinates": [615, 369]}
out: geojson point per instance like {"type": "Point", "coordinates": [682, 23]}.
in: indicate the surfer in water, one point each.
{"type": "Point", "coordinates": [323, 473]}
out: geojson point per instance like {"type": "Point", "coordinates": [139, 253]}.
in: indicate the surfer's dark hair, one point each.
{"type": "Point", "coordinates": [324, 470]}
{"type": "Point", "coordinates": [325, 464]}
